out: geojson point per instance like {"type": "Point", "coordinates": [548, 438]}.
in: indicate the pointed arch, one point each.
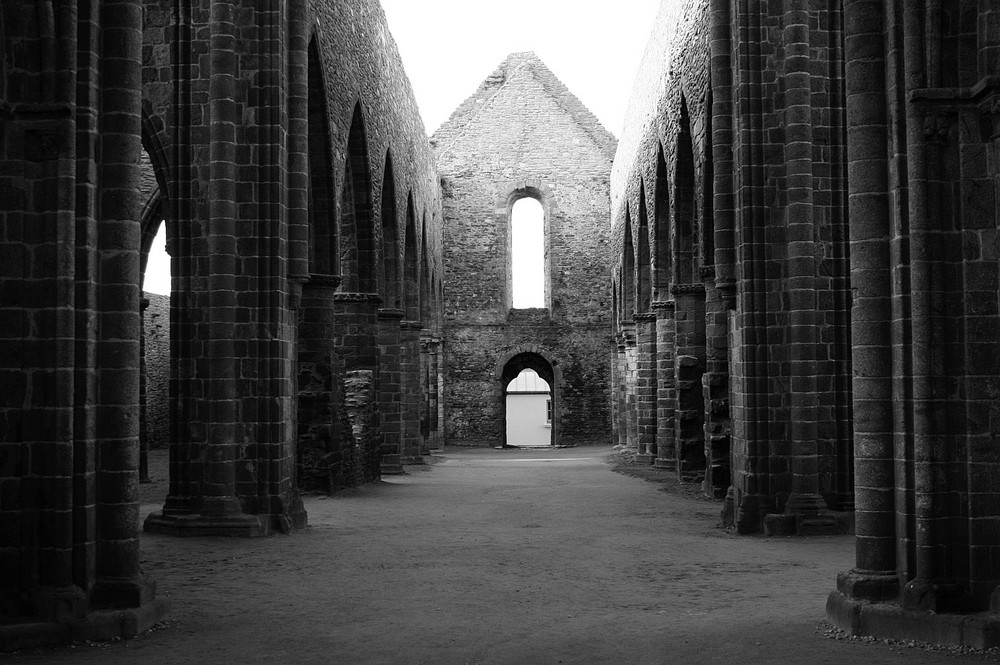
{"type": "Point", "coordinates": [707, 193]}
{"type": "Point", "coordinates": [684, 201]}
{"type": "Point", "coordinates": [426, 306]}
{"type": "Point", "coordinates": [628, 270]}
{"type": "Point", "coordinates": [322, 205]}
{"type": "Point", "coordinates": [642, 292]}
{"type": "Point", "coordinates": [614, 299]}
{"type": "Point", "coordinates": [357, 260]}
{"type": "Point", "coordinates": [389, 282]}
{"type": "Point", "coordinates": [411, 283]}
{"type": "Point", "coordinates": [661, 227]}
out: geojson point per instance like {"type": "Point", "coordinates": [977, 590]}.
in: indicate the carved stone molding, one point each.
{"type": "Point", "coordinates": [682, 289]}
{"type": "Point", "coordinates": [357, 297]}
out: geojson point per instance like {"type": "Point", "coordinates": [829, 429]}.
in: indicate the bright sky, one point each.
{"type": "Point", "coordinates": [528, 242]}
{"type": "Point", "coordinates": [449, 47]}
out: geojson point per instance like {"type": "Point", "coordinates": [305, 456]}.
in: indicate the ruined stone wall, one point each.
{"type": "Point", "coordinates": [523, 134]}
{"type": "Point", "coordinates": [747, 215]}
{"type": "Point", "coordinates": [280, 268]}
{"type": "Point", "coordinates": [70, 329]}
{"type": "Point", "coordinates": [924, 120]}
{"type": "Point", "coordinates": [156, 345]}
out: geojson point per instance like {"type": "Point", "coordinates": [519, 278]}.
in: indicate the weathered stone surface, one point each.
{"type": "Point", "coordinates": [523, 134]}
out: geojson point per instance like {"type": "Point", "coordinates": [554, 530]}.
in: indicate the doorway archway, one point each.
{"type": "Point", "coordinates": [538, 364]}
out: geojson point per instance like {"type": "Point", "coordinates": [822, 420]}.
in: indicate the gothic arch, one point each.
{"type": "Point", "coordinates": [661, 227]}
{"type": "Point", "coordinates": [411, 279]}
{"type": "Point", "coordinates": [708, 192]}
{"type": "Point", "coordinates": [643, 291]}
{"type": "Point", "coordinates": [426, 306]}
{"type": "Point", "coordinates": [322, 201]}
{"type": "Point", "coordinates": [628, 270]}
{"type": "Point", "coordinates": [389, 265]}
{"type": "Point", "coordinates": [156, 208]}
{"type": "Point", "coordinates": [547, 366]}
{"type": "Point", "coordinates": [684, 208]}
{"type": "Point", "coordinates": [514, 192]}
{"type": "Point", "coordinates": [357, 251]}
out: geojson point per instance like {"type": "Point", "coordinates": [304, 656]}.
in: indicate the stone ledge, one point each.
{"type": "Point", "coordinates": [826, 523]}
{"type": "Point", "coordinates": [96, 626]}
{"type": "Point", "coordinates": [241, 526]}
{"type": "Point", "coordinates": [890, 621]}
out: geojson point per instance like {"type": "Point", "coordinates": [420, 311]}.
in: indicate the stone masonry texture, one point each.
{"type": "Point", "coordinates": [523, 134]}
{"type": "Point", "coordinates": [782, 283]}
{"type": "Point", "coordinates": [804, 199]}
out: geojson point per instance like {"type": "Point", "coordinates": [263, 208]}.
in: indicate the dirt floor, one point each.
{"type": "Point", "coordinates": [499, 556]}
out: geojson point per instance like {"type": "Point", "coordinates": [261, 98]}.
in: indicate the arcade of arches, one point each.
{"type": "Point", "coordinates": [781, 282]}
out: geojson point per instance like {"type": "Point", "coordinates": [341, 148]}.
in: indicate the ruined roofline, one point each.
{"type": "Point", "coordinates": [467, 111]}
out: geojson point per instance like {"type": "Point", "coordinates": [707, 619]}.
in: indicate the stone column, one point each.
{"type": "Point", "coordinates": [120, 582]}
{"type": "Point", "coordinates": [630, 377]}
{"type": "Point", "coordinates": [666, 392]}
{"type": "Point", "coordinates": [689, 366]}
{"type": "Point", "coordinates": [410, 391]}
{"type": "Point", "coordinates": [390, 389]}
{"type": "Point", "coordinates": [715, 390]}
{"type": "Point", "coordinates": [621, 388]}
{"type": "Point", "coordinates": [646, 390]}
{"type": "Point", "coordinates": [874, 575]}
{"type": "Point", "coordinates": [723, 203]}
{"type": "Point", "coordinates": [357, 344]}
{"type": "Point", "coordinates": [425, 389]}
{"type": "Point", "coordinates": [437, 412]}
{"type": "Point", "coordinates": [318, 396]}
{"type": "Point", "coordinates": [143, 379]}
{"type": "Point", "coordinates": [932, 588]}
{"type": "Point", "coordinates": [804, 502]}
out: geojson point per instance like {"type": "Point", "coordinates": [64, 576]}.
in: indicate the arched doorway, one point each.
{"type": "Point", "coordinates": [529, 394]}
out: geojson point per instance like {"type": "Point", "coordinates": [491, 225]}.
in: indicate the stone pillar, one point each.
{"type": "Point", "coordinates": [143, 378]}
{"type": "Point", "coordinates": [715, 390]}
{"type": "Point", "coordinates": [621, 390]}
{"type": "Point", "coordinates": [646, 390]}
{"type": "Point", "coordinates": [438, 414]}
{"type": "Point", "coordinates": [689, 366]}
{"type": "Point", "coordinates": [932, 588]}
{"type": "Point", "coordinates": [874, 575]}
{"type": "Point", "coordinates": [318, 395]}
{"type": "Point", "coordinates": [425, 389]}
{"type": "Point", "coordinates": [391, 389]}
{"type": "Point", "coordinates": [805, 501]}
{"type": "Point", "coordinates": [357, 345]}
{"type": "Point", "coordinates": [430, 358]}
{"type": "Point", "coordinates": [666, 381]}
{"type": "Point", "coordinates": [409, 342]}
{"type": "Point", "coordinates": [630, 381]}
{"type": "Point", "coordinates": [120, 581]}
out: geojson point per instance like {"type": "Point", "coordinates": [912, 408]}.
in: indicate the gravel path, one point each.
{"type": "Point", "coordinates": [489, 556]}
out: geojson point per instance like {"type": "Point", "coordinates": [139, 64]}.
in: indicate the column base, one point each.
{"type": "Point", "coordinates": [125, 593]}
{"type": "Point", "coordinates": [873, 587]}
{"type": "Point", "coordinates": [94, 626]}
{"type": "Point", "coordinates": [412, 459]}
{"type": "Point", "coordinates": [645, 458]}
{"type": "Point", "coordinates": [391, 465]}
{"type": "Point", "coordinates": [791, 524]}
{"type": "Point", "coordinates": [805, 515]}
{"type": "Point", "coordinates": [668, 464]}
{"type": "Point", "coordinates": [890, 621]}
{"type": "Point", "coordinates": [240, 526]}
{"type": "Point", "coordinates": [927, 596]}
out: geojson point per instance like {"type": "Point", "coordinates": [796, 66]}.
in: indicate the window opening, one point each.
{"type": "Point", "coordinates": [157, 277]}
{"type": "Point", "coordinates": [528, 253]}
